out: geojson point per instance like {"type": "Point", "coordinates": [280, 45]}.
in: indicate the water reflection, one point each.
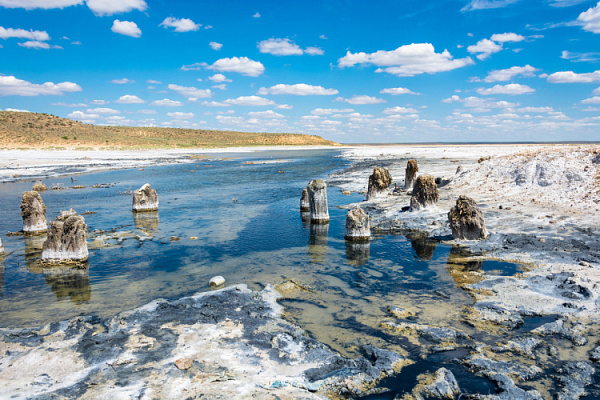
{"type": "Point", "coordinates": [317, 243]}
{"type": "Point", "coordinates": [146, 222]}
{"type": "Point", "coordinates": [68, 282]}
{"type": "Point", "coordinates": [33, 252]}
{"type": "Point", "coordinates": [422, 245]}
{"type": "Point", "coordinates": [357, 253]}
{"type": "Point", "coordinates": [305, 219]}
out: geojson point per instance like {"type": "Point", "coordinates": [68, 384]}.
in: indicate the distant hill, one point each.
{"type": "Point", "coordinates": [33, 130]}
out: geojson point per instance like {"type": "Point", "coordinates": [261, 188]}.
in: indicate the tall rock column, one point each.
{"type": "Point", "coordinates": [357, 225]}
{"type": "Point", "coordinates": [317, 199]}
{"type": "Point", "coordinates": [145, 199]}
{"type": "Point", "coordinates": [33, 212]}
{"type": "Point", "coordinates": [466, 220]}
{"type": "Point", "coordinates": [411, 172]}
{"type": "Point", "coordinates": [379, 182]}
{"type": "Point", "coordinates": [66, 241]}
{"type": "Point", "coordinates": [304, 203]}
{"type": "Point", "coordinates": [424, 194]}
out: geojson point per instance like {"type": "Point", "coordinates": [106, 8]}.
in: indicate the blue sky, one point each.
{"type": "Point", "coordinates": [350, 71]}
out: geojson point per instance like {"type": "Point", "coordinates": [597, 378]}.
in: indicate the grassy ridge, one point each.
{"type": "Point", "coordinates": [33, 130]}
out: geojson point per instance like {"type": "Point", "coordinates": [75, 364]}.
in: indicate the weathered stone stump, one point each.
{"type": "Point", "coordinates": [317, 199]}
{"type": "Point", "coordinates": [357, 225]}
{"type": "Point", "coordinates": [33, 212]}
{"type": "Point", "coordinates": [379, 182]}
{"type": "Point", "coordinates": [411, 172]}
{"type": "Point", "coordinates": [466, 220]}
{"type": "Point", "coordinates": [1, 248]}
{"type": "Point", "coordinates": [66, 242]}
{"type": "Point", "coordinates": [304, 203]}
{"type": "Point", "coordinates": [145, 199]}
{"type": "Point", "coordinates": [424, 194]}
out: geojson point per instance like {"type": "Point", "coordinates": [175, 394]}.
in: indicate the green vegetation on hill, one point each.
{"type": "Point", "coordinates": [33, 130]}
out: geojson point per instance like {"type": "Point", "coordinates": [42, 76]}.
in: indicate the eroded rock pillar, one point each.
{"type": "Point", "coordinates": [66, 241]}
{"type": "Point", "coordinates": [424, 194]}
{"type": "Point", "coordinates": [466, 220]}
{"type": "Point", "coordinates": [304, 203]}
{"type": "Point", "coordinates": [411, 172]}
{"type": "Point", "coordinates": [317, 199]}
{"type": "Point", "coordinates": [358, 227]}
{"type": "Point", "coordinates": [379, 182]}
{"type": "Point", "coordinates": [33, 212]}
{"type": "Point", "coordinates": [145, 199]}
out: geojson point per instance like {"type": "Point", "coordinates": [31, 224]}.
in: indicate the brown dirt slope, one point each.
{"type": "Point", "coordinates": [33, 130]}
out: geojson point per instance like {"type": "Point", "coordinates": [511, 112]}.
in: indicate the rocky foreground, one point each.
{"type": "Point", "coordinates": [230, 343]}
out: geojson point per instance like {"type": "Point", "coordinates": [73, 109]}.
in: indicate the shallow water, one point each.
{"type": "Point", "coordinates": [341, 291]}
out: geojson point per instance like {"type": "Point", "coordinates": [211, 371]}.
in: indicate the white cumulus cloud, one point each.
{"type": "Point", "coordinates": [591, 100]}
{"type": "Point", "coordinates": [166, 103]}
{"type": "Point", "coordinates": [190, 92]}
{"type": "Point", "coordinates": [407, 60]}
{"type": "Point", "coordinates": [180, 25]}
{"type": "Point", "coordinates": [361, 99]}
{"type": "Point", "coordinates": [328, 111]}
{"type": "Point", "coordinates": [11, 86]}
{"type": "Point", "coordinates": [590, 19]}
{"type": "Point", "coordinates": [6, 33]}
{"type": "Point", "coordinates": [110, 7]}
{"type": "Point", "coordinates": [249, 101]}
{"type": "Point", "coordinates": [127, 28]}
{"type": "Point", "coordinates": [181, 115]}
{"type": "Point", "coordinates": [218, 78]}
{"type": "Point", "coordinates": [503, 75]}
{"type": "Point", "coordinates": [473, 5]}
{"type": "Point", "coordinates": [44, 4]}
{"type": "Point", "coordinates": [103, 111]}
{"type": "Point", "coordinates": [129, 99]}
{"type": "Point", "coordinates": [280, 47]}
{"type": "Point", "coordinates": [512, 89]}
{"type": "Point", "coordinates": [240, 65]}
{"type": "Point", "coordinates": [580, 57]}
{"type": "Point", "coordinates": [215, 45]}
{"type": "Point", "coordinates": [299, 89]}
{"type": "Point", "coordinates": [485, 48]}
{"type": "Point", "coordinates": [399, 110]}
{"type": "Point", "coordinates": [122, 81]}
{"type": "Point", "coordinates": [573, 77]}
{"type": "Point", "coordinates": [397, 91]}
{"type": "Point", "coordinates": [36, 44]}
{"type": "Point", "coordinates": [265, 114]}
{"type": "Point", "coordinates": [314, 51]}
{"type": "Point", "coordinates": [507, 37]}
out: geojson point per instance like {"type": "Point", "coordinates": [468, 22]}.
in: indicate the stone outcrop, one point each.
{"type": "Point", "coordinates": [425, 193]}
{"type": "Point", "coordinates": [379, 182]}
{"type": "Point", "coordinates": [304, 203]}
{"type": "Point", "coordinates": [357, 225]}
{"type": "Point", "coordinates": [33, 212]}
{"type": "Point", "coordinates": [39, 187]}
{"type": "Point", "coordinates": [66, 242]}
{"type": "Point", "coordinates": [317, 199]}
{"type": "Point", "coordinates": [145, 199]}
{"type": "Point", "coordinates": [466, 220]}
{"type": "Point", "coordinates": [411, 172]}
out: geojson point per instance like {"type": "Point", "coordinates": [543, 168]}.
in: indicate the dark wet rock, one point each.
{"type": "Point", "coordinates": [574, 377]}
{"type": "Point", "coordinates": [411, 172]}
{"type": "Point", "coordinates": [568, 288]}
{"type": "Point", "coordinates": [498, 315]}
{"type": "Point", "coordinates": [357, 225]}
{"type": "Point", "coordinates": [66, 241]}
{"type": "Point", "coordinates": [575, 333]}
{"type": "Point", "coordinates": [33, 212]}
{"type": "Point", "coordinates": [442, 181]}
{"type": "Point", "coordinates": [317, 198]}
{"type": "Point", "coordinates": [523, 346]}
{"type": "Point", "coordinates": [503, 373]}
{"type": "Point", "coordinates": [466, 220]}
{"type": "Point", "coordinates": [304, 203]}
{"type": "Point", "coordinates": [233, 338]}
{"type": "Point", "coordinates": [595, 355]}
{"type": "Point", "coordinates": [145, 199]}
{"type": "Point", "coordinates": [424, 194]}
{"type": "Point", "coordinates": [379, 182]}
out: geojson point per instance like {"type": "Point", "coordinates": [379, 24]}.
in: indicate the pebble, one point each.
{"type": "Point", "coordinates": [184, 363]}
{"type": "Point", "coordinates": [216, 281]}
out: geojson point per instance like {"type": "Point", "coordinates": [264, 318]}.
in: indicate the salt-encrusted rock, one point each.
{"type": "Point", "coordinates": [379, 182]}
{"type": "Point", "coordinates": [33, 212]}
{"type": "Point", "coordinates": [596, 160]}
{"type": "Point", "coordinates": [66, 241]}
{"type": "Point", "coordinates": [466, 220]}
{"type": "Point", "coordinates": [357, 225]}
{"type": "Point", "coordinates": [304, 203]}
{"type": "Point", "coordinates": [39, 187]}
{"type": "Point", "coordinates": [443, 385]}
{"type": "Point", "coordinates": [425, 193]}
{"type": "Point", "coordinates": [145, 199]}
{"type": "Point", "coordinates": [459, 170]}
{"type": "Point", "coordinates": [317, 199]}
{"type": "Point", "coordinates": [411, 172]}
{"type": "Point", "coordinates": [66, 214]}
{"type": "Point", "coordinates": [216, 281]}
